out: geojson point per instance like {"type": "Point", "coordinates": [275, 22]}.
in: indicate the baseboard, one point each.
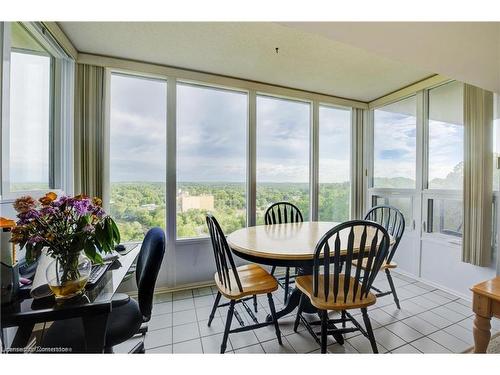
{"type": "Point", "coordinates": [438, 286]}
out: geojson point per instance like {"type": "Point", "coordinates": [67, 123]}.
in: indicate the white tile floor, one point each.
{"type": "Point", "coordinates": [430, 321]}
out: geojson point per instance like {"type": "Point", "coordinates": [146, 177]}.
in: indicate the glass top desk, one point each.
{"type": "Point", "coordinates": [93, 307]}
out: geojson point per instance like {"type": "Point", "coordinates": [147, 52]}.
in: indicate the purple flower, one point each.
{"type": "Point", "coordinates": [81, 206]}
{"type": "Point", "coordinates": [99, 212]}
{"type": "Point", "coordinates": [47, 210]}
{"type": "Point", "coordinates": [35, 239]}
{"type": "Point", "coordinates": [26, 217]}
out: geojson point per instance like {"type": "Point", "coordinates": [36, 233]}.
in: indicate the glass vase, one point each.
{"type": "Point", "coordinates": [67, 276]}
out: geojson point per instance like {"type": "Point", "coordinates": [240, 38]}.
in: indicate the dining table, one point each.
{"type": "Point", "coordinates": [285, 245]}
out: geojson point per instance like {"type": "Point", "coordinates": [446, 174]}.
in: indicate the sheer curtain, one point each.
{"type": "Point", "coordinates": [89, 130]}
{"type": "Point", "coordinates": [478, 174]}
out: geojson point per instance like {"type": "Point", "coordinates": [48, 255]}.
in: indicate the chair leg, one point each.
{"type": "Point", "coordinates": [255, 303]}
{"type": "Point", "coordinates": [393, 289]}
{"type": "Point", "coordinates": [273, 270]}
{"type": "Point", "coordinates": [343, 318]}
{"type": "Point", "coordinates": [287, 281]}
{"type": "Point", "coordinates": [299, 312]}
{"type": "Point", "coordinates": [369, 330]}
{"type": "Point", "coordinates": [324, 330]}
{"type": "Point", "coordinates": [228, 326]}
{"type": "Point", "coordinates": [275, 318]}
{"type": "Point", "coordinates": [216, 304]}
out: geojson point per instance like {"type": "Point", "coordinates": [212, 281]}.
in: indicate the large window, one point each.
{"type": "Point", "coordinates": [395, 135]}
{"type": "Point", "coordinates": [334, 163]}
{"type": "Point", "coordinates": [31, 125]}
{"type": "Point", "coordinates": [445, 165]}
{"type": "Point", "coordinates": [138, 120]}
{"type": "Point", "coordinates": [283, 128]}
{"type": "Point", "coordinates": [446, 136]}
{"type": "Point", "coordinates": [211, 158]}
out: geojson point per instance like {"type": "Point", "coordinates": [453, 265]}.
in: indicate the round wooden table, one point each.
{"type": "Point", "coordinates": [283, 245]}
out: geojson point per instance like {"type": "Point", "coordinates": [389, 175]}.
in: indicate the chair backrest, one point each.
{"type": "Point", "coordinates": [222, 254]}
{"type": "Point", "coordinates": [392, 220]}
{"type": "Point", "coordinates": [282, 213]}
{"type": "Point", "coordinates": [339, 247]}
{"type": "Point", "coordinates": [147, 268]}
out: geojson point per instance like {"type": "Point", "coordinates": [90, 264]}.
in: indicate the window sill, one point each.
{"type": "Point", "coordinates": [190, 241]}
{"type": "Point", "coordinates": [11, 197]}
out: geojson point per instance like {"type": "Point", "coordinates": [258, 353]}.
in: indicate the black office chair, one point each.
{"type": "Point", "coordinates": [394, 222]}
{"type": "Point", "coordinates": [128, 315]}
{"type": "Point", "coordinates": [282, 213]}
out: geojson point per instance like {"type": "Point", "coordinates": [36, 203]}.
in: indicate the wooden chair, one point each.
{"type": "Point", "coordinates": [394, 222]}
{"type": "Point", "coordinates": [238, 284]}
{"type": "Point", "coordinates": [279, 213]}
{"type": "Point", "coordinates": [352, 240]}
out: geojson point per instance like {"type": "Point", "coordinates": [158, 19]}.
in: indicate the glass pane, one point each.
{"type": "Point", "coordinates": [282, 154]}
{"type": "Point", "coordinates": [394, 145]}
{"type": "Point", "coordinates": [404, 204]}
{"type": "Point", "coordinates": [138, 120]}
{"type": "Point", "coordinates": [446, 136]}
{"type": "Point", "coordinates": [445, 216]}
{"type": "Point", "coordinates": [334, 163]}
{"type": "Point", "coordinates": [496, 142]}
{"type": "Point", "coordinates": [30, 115]}
{"type": "Point", "coordinates": [211, 159]}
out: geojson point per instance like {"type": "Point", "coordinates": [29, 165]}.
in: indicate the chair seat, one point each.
{"type": "Point", "coordinates": [124, 322]}
{"type": "Point", "coordinates": [305, 284]}
{"type": "Point", "coordinates": [254, 280]}
{"type": "Point", "coordinates": [383, 267]}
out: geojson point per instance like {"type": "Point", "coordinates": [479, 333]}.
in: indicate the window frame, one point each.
{"type": "Point", "coordinates": [204, 85]}
{"type": "Point", "coordinates": [251, 147]}
{"type": "Point", "coordinates": [61, 113]}
{"type": "Point", "coordinates": [429, 193]}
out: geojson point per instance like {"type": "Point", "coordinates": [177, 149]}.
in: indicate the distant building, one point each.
{"type": "Point", "coordinates": [149, 206]}
{"type": "Point", "coordinates": [197, 202]}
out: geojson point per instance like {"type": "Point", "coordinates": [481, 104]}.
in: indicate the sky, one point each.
{"type": "Point", "coordinates": [212, 135]}
{"type": "Point", "coordinates": [395, 140]}
{"type": "Point", "coordinates": [29, 115]}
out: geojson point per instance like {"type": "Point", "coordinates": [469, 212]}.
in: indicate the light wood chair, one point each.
{"type": "Point", "coordinates": [394, 222]}
{"type": "Point", "coordinates": [238, 284]}
{"type": "Point", "coordinates": [282, 213]}
{"type": "Point", "coordinates": [349, 241]}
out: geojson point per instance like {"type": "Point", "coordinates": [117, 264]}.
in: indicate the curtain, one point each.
{"type": "Point", "coordinates": [478, 175]}
{"type": "Point", "coordinates": [358, 191]}
{"type": "Point", "coordinates": [89, 130]}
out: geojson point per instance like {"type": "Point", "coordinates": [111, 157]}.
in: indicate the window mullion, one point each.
{"type": "Point", "coordinates": [314, 162]}
{"type": "Point", "coordinates": [251, 189]}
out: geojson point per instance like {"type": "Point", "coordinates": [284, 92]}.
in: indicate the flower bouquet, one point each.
{"type": "Point", "coordinates": [72, 229]}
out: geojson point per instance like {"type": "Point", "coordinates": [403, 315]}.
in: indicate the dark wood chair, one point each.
{"type": "Point", "coordinates": [279, 213]}
{"type": "Point", "coordinates": [352, 240]}
{"type": "Point", "coordinates": [394, 222]}
{"type": "Point", "coordinates": [238, 284]}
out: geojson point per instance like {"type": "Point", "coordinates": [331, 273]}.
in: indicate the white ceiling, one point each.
{"type": "Point", "coordinates": [466, 51]}
{"type": "Point", "coordinates": [305, 60]}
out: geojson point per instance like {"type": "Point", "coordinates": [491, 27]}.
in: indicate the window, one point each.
{"type": "Point", "coordinates": [446, 136]}
{"type": "Point", "coordinates": [31, 125]}
{"type": "Point", "coordinates": [211, 158]}
{"type": "Point", "coordinates": [138, 120]}
{"type": "Point", "coordinates": [402, 203]}
{"type": "Point", "coordinates": [282, 154]}
{"type": "Point", "coordinates": [445, 165]}
{"type": "Point", "coordinates": [395, 140]}
{"type": "Point", "coordinates": [334, 164]}
{"type": "Point", "coordinates": [445, 216]}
